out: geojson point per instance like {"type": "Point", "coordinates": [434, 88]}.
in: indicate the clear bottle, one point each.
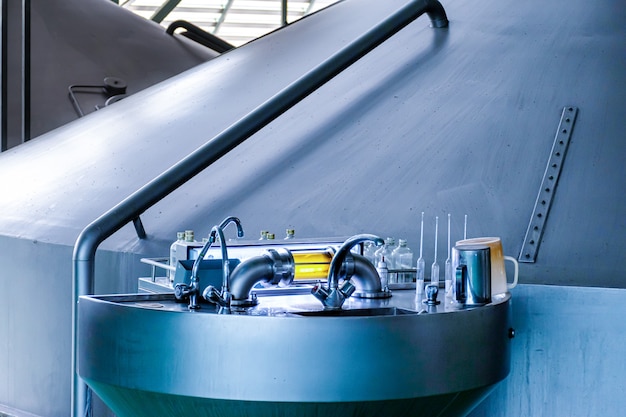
{"type": "Point", "coordinates": [369, 251]}
{"type": "Point", "coordinates": [290, 234]}
{"type": "Point", "coordinates": [263, 235]}
{"type": "Point", "coordinates": [271, 236]}
{"type": "Point", "coordinates": [386, 251]}
{"type": "Point", "coordinates": [180, 238]}
{"type": "Point", "coordinates": [402, 257]}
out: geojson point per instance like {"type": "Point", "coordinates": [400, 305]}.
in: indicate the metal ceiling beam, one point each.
{"type": "Point", "coordinates": [283, 13]}
{"type": "Point", "coordinates": [165, 9]}
{"type": "Point", "coordinates": [309, 7]}
{"type": "Point", "coordinates": [225, 11]}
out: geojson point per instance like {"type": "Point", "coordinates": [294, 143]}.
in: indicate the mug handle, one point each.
{"type": "Point", "coordinates": [512, 285]}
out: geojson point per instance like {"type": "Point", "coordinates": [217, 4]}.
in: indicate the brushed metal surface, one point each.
{"type": "Point", "coordinates": [567, 355]}
{"type": "Point", "coordinates": [131, 345]}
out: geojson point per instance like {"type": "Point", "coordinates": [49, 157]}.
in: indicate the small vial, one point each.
{"type": "Point", "coordinates": [448, 278]}
{"type": "Point", "coordinates": [386, 252]}
{"type": "Point", "coordinates": [290, 234]}
{"type": "Point", "coordinates": [419, 281]}
{"type": "Point", "coordinates": [271, 236]}
{"type": "Point", "coordinates": [383, 273]}
{"type": "Point", "coordinates": [263, 235]}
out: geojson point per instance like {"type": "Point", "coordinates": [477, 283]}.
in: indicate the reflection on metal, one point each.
{"type": "Point", "coordinates": [202, 37]}
{"type": "Point", "coordinates": [550, 180]}
{"type": "Point", "coordinates": [113, 88]}
{"type": "Point", "coordinates": [114, 219]}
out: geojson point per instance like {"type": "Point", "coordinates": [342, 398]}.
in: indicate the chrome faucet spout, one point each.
{"type": "Point", "coordinates": [218, 233]}
{"type": "Point", "coordinates": [232, 219]}
{"type": "Point", "coordinates": [193, 291]}
{"type": "Point", "coordinates": [342, 266]}
{"type": "Point", "coordinates": [340, 256]}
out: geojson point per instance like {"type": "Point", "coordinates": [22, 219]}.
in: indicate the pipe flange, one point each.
{"type": "Point", "coordinates": [283, 265]}
{"type": "Point", "coordinates": [372, 295]}
{"type": "Point", "coordinates": [248, 302]}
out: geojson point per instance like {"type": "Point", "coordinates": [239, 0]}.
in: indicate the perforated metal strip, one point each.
{"type": "Point", "coordinates": [534, 233]}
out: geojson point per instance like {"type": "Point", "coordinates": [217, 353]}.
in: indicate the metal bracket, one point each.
{"type": "Point", "coordinates": [139, 229]}
{"type": "Point", "coordinates": [534, 233]}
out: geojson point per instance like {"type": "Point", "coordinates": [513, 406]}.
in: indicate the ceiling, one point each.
{"type": "Point", "coordinates": [235, 21]}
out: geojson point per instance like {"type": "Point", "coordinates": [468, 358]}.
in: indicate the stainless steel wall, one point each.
{"type": "Point", "coordinates": [567, 354]}
{"type": "Point", "coordinates": [459, 120]}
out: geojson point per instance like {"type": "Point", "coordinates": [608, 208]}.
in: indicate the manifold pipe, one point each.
{"type": "Point", "coordinates": [151, 193]}
{"type": "Point", "coordinates": [365, 276]}
{"type": "Point", "coordinates": [276, 267]}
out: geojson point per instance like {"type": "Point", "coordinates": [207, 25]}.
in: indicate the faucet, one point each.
{"type": "Point", "coordinates": [335, 295]}
{"type": "Point", "coordinates": [192, 291]}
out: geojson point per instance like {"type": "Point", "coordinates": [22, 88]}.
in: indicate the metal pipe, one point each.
{"type": "Point", "coordinates": [4, 141]}
{"type": "Point", "coordinates": [283, 13]}
{"type": "Point", "coordinates": [26, 70]}
{"type": "Point", "coordinates": [161, 186]}
{"type": "Point", "coordinates": [365, 276]}
{"type": "Point", "coordinates": [276, 267]}
{"type": "Point", "coordinates": [340, 256]}
{"type": "Point", "coordinates": [198, 35]}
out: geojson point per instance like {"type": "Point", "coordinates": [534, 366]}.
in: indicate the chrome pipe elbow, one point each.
{"type": "Point", "coordinates": [276, 267]}
{"type": "Point", "coordinates": [366, 279]}
{"type": "Point", "coordinates": [340, 257]}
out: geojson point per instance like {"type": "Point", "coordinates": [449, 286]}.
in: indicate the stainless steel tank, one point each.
{"type": "Point", "coordinates": [289, 357]}
{"type": "Point", "coordinates": [461, 121]}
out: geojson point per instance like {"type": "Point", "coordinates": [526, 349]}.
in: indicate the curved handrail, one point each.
{"type": "Point", "coordinates": [161, 186]}
{"type": "Point", "coordinates": [204, 38]}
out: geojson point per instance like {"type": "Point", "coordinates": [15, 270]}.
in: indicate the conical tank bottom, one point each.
{"type": "Point", "coordinates": [126, 402]}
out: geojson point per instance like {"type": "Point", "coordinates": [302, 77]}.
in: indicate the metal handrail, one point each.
{"type": "Point", "coordinates": [202, 37]}
{"type": "Point", "coordinates": [161, 186]}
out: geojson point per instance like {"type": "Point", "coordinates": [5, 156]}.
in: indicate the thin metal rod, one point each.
{"type": "Point", "coordinates": [309, 7]}
{"type": "Point", "coordinates": [151, 193]}
{"type": "Point", "coordinates": [223, 16]}
{"type": "Point", "coordinates": [283, 13]}
{"type": "Point", "coordinates": [4, 140]}
{"type": "Point", "coordinates": [26, 70]}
